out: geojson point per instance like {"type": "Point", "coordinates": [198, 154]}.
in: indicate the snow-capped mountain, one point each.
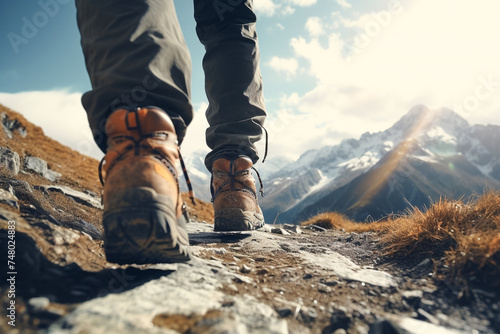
{"type": "Point", "coordinates": [405, 163]}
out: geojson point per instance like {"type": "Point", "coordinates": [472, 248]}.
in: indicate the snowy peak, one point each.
{"type": "Point", "coordinates": [420, 119]}
{"type": "Point", "coordinates": [422, 134]}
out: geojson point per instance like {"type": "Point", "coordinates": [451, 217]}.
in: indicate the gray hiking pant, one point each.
{"type": "Point", "coordinates": [136, 55]}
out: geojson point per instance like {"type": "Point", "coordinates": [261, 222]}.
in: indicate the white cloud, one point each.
{"type": "Point", "coordinates": [195, 135]}
{"type": "Point", "coordinates": [314, 26]}
{"type": "Point", "coordinates": [265, 7]}
{"type": "Point", "coordinates": [283, 7]}
{"type": "Point", "coordinates": [59, 113]}
{"type": "Point", "coordinates": [303, 3]}
{"type": "Point", "coordinates": [287, 66]}
{"type": "Point", "coordinates": [400, 58]}
{"type": "Point", "coordinates": [344, 4]}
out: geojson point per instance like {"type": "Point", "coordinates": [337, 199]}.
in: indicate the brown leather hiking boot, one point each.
{"type": "Point", "coordinates": [234, 196]}
{"type": "Point", "coordinates": [144, 216]}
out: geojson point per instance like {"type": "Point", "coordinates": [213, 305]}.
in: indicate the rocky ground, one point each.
{"type": "Point", "coordinates": [281, 279]}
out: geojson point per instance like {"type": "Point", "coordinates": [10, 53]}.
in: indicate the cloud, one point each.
{"type": "Point", "coordinates": [265, 7]}
{"type": "Point", "coordinates": [59, 113]}
{"type": "Point", "coordinates": [287, 66]}
{"type": "Point", "coordinates": [314, 26]}
{"type": "Point", "coordinates": [283, 7]}
{"type": "Point", "coordinates": [303, 3]}
{"type": "Point", "coordinates": [195, 135]}
{"type": "Point", "coordinates": [344, 4]}
{"type": "Point", "coordinates": [368, 76]}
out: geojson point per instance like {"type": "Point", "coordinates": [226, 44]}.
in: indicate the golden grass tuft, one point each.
{"type": "Point", "coordinates": [337, 221]}
{"type": "Point", "coordinates": [463, 238]}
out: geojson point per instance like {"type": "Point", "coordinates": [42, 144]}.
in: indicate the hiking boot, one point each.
{"type": "Point", "coordinates": [234, 196]}
{"type": "Point", "coordinates": [144, 217]}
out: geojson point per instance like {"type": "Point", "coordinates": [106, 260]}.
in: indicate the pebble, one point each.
{"type": "Point", "coordinates": [315, 228]}
{"type": "Point", "coordinates": [9, 160]}
{"type": "Point", "coordinates": [279, 230]}
{"type": "Point", "coordinates": [219, 251]}
{"type": "Point", "coordinates": [8, 198]}
{"type": "Point", "coordinates": [331, 283]}
{"type": "Point", "coordinates": [340, 331]}
{"type": "Point", "coordinates": [424, 263]}
{"type": "Point", "coordinates": [307, 315]}
{"type": "Point", "coordinates": [412, 294]}
{"type": "Point", "coordinates": [245, 269]}
{"type": "Point", "coordinates": [307, 276]}
{"type": "Point", "coordinates": [428, 316]}
{"type": "Point", "coordinates": [39, 303]}
{"type": "Point", "coordinates": [262, 271]}
{"type": "Point", "coordinates": [284, 312]}
{"type": "Point", "coordinates": [324, 288]}
{"type": "Point", "coordinates": [292, 228]}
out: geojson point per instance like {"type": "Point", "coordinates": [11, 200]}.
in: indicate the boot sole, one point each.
{"type": "Point", "coordinates": [140, 226]}
{"type": "Point", "coordinates": [231, 219]}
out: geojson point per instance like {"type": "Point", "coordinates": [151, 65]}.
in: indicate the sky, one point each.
{"type": "Point", "coordinates": [332, 69]}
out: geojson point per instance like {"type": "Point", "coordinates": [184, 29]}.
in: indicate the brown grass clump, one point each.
{"type": "Point", "coordinates": [462, 238]}
{"type": "Point", "coordinates": [337, 221]}
{"type": "Point", "coordinates": [465, 236]}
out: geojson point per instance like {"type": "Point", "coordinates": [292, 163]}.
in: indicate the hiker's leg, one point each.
{"type": "Point", "coordinates": [135, 55]}
{"type": "Point", "coordinates": [233, 81]}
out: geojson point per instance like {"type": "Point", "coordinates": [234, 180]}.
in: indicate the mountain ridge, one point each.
{"type": "Point", "coordinates": [437, 133]}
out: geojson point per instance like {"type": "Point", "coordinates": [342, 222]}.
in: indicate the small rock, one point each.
{"type": "Point", "coordinates": [262, 271]}
{"type": "Point", "coordinates": [78, 196]}
{"type": "Point", "coordinates": [232, 287]}
{"type": "Point", "coordinates": [429, 317]}
{"type": "Point", "coordinates": [307, 276]}
{"type": "Point", "coordinates": [52, 176]}
{"type": "Point", "coordinates": [35, 164]}
{"type": "Point", "coordinates": [245, 269]}
{"type": "Point", "coordinates": [64, 236]}
{"type": "Point", "coordinates": [324, 288]}
{"type": "Point", "coordinates": [284, 312]}
{"type": "Point", "coordinates": [38, 303]}
{"type": "Point", "coordinates": [266, 228]}
{"type": "Point", "coordinates": [307, 315]}
{"type": "Point", "coordinates": [279, 230]}
{"type": "Point", "coordinates": [292, 228]}
{"type": "Point", "coordinates": [9, 160]}
{"type": "Point", "coordinates": [315, 228]}
{"type": "Point", "coordinates": [10, 125]}
{"type": "Point", "coordinates": [340, 331]}
{"type": "Point", "coordinates": [331, 283]}
{"type": "Point", "coordinates": [267, 290]}
{"type": "Point", "coordinates": [424, 263]}
{"type": "Point", "coordinates": [427, 302]}
{"type": "Point", "coordinates": [8, 198]}
{"type": "Point", "coordinates": [412, 295]}
{"type": "Point", "coordinates": [219, 251]}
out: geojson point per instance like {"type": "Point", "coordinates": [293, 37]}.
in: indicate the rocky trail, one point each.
{"type": "Point", "coordinates": [280, 279]}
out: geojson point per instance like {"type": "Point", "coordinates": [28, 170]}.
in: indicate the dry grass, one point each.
{"type": "Point", "coordinates": [78, 171]}
{"type": "Point", "coordinates": [463, 238]}
{"type": "Point", "coordinates": [337, 221]}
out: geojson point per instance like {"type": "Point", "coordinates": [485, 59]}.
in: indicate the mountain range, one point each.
{"type": "Point", "coordinates": [426, 155]}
